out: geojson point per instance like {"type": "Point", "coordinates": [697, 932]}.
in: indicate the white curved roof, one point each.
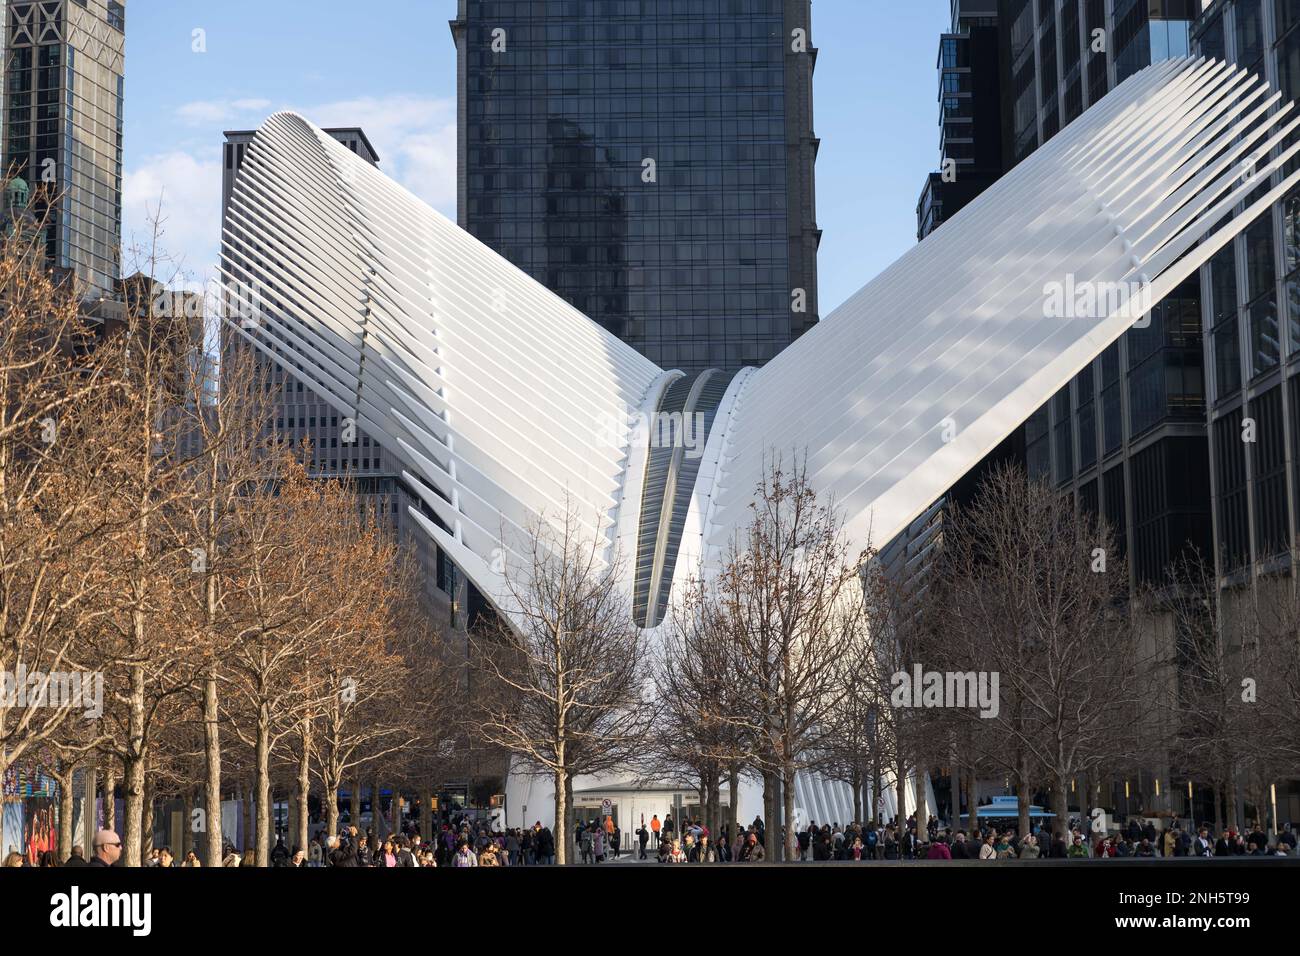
{"type": "Point", "coordinates": [500, 398]}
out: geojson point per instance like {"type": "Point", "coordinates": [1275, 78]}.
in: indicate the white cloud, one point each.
{"type": "Point", "coordinates": [203, 112]}
{"type": "Point", "coordinates": [182, 192]}
{"type": "Point", "coordinates": [414, 136]}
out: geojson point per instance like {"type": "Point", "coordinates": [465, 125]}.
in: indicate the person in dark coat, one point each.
{"type": "Point", "coordinates": [108, 848]}
{"type": "Point", "coordinates": [343, 852]}
{"type": "Point", "coordinates": [78, 858]}
{"type": "Point", "coordinates": [545, 841]}
{"type": "Point", "coordinates": [279, 853]}
{"type": "Point", "coordinates": [1058, 850]}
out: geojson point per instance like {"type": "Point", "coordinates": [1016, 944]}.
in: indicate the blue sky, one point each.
{"type": "Point", "coordinates": [391, 70]}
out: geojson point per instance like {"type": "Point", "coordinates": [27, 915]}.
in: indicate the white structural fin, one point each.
{"type": "Point", "coordinates": [900, 391]}
{"type": "Point", "coordinates": [504, 403]}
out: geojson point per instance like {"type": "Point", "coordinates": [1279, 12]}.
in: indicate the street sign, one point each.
{"type": "Point", "coordinates": [607, 807]}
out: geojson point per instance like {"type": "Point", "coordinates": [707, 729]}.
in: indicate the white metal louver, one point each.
{"type": "Point", "coordinates": [501, 399]}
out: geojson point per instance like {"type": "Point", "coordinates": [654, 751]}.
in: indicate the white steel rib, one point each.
{"type": "Point", "coordinates": [504, 403]}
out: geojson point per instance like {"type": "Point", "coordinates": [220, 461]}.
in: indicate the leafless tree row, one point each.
{"type": "Point", "coordinates": [250, 627]}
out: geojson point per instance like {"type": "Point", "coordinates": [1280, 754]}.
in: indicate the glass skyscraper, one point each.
{"type": "Point", "coordinates": [63, 128]}
{"type": "Point", "coordinates": [651, 162]}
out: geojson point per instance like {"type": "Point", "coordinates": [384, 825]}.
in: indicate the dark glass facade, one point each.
{"type": "Point", "coordinates": [63, 68]}
{"type": "Point", "coordinates": [651, 162]}
{"type": "Point", "coordinates": [970, 117]}
{"type": "Point", "coordinates": [1122, 437]}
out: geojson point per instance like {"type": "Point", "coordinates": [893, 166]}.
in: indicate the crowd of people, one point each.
{"type": "Point", "coordinates": [855, 842]}
{"type": "Point", "coordinates": [461, 842]}
{"type": "Point", "coordinates": [465, 842]}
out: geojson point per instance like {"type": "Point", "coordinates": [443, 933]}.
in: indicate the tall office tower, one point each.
{"type": "Point", "coordinates": [1250, 311]}
{"type": "Point", "coordinates": [301, 415]}
{"type": "Point", "coordinates": [63, 73]}
{"type": "Point", "coordinates": [1127, 437]}
{"type": "Point", "coordinates": [970, 114]}
{"type": "Point", "coordinates": [652, 163]}
{"type": "Point", "coordinates": [1251, 317]}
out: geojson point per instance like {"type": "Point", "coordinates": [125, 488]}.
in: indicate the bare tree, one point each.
{"type": "Point", "coordinates": [371, 708]}
{"type": "Point", "coordinates": [790, 594]}
{"type": "Point", "coordinates": [234, 458]}
{"type": "Point", "coordinates": [58, 399]}
{"type": "Point", "coordinates": [561, 671]}
{"type": "Point", "coordinates": [698, 741]}
{"type": "Point", "coordinates": [286, 540]}
{"type": "Point", "coordinates": [1037, 594]}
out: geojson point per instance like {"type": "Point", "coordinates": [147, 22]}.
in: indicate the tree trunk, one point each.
{"type": "Point", "coordinates": [304, 788]}
{"type": "Point", "coordinates": [187, 828]}
{"type": "Point", "coordinates": [1022, 794]}
{"type": "Point", "coordinates": [1060, 806]}
{"type": "Point", "coordinates": [972, 791]}
{"type": "Point", "coordinates": [66, 810]}
{"type": "Point", "coordinates": [954, 794]}
{"type": "Point", "coordinates": [263, 785]}
{"type": "Point", "coordinates": [133, 776]}
{"type": "Point", "coordinates": [331, 813]}
{"type": "Point", "coordinates": [716, 828]}
{"type": "Point", "coordinates": [876, 787]}
{"type": "Point", "coordinates": [146, 820]}
{"type": "Point", "coordinates": [769, 815]}
{"type": "Point", "coordinates": [212, 836]}
{"type": "Point", "coordinates": [376, 811]}
{"type": "Point", "coordinates": [110, 800]}
{"type": "Point", "coordinates": [561, 815]}
{"type": "Point", "coordinates": [247, 843]}
{"type": "Point", "coordinates": [704, 799]}
{"type": "Point", "coordinates": [787, 813]}
{"type": "Point", "coordinates": [922, 806]}
{"type": "Point", "coordinates": [354, 805]}
{"type": "Point", "coordinates": [900, 795]}
{"type": "Point", "coordinates": [571, 810]}
{"type": "Point", "coordinates": [855, 782]}
{"type": "Point", "coordinates": [733, 793]}
{"type": "Point", "coordinates": [63, 774]}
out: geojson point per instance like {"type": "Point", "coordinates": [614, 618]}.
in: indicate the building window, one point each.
{"type": "Point", "coordinates": [116, 16]}
{"type": "Point", "coordinates": [1230, 472]}
{"type": "Point", "coordinates": [1265, 346]}
{"type": "Point", "coordinates": [1063, 436]}
{"type": "Point", "coordinates": [1038, 449]}
{"type": "Point", "coordinates": [1227, 360]}
{"type": "Point", "coordinates": [1269, 473]}
{"type": "Point", "coordinates": [1116, 509]}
